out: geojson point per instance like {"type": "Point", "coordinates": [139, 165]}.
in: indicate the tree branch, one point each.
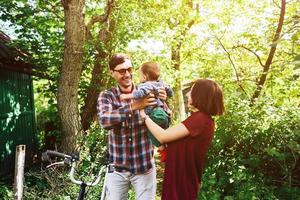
{"type": "Point", "coordinates": [100, 18]}
{"type": "Point", "coordinates": [277, 5]}
{"type": "Point", "coordinates": [233, 65]}
{"type": "Point", "coordinates": [98, 76]}
{"type": "Point", "coordinates": [253, 52]}
{"type": "Point", "coordinates": [55, 12]}
{"type": "Point", "coordinates": [51, 8]}
{"type": "Point", "coordinates": [275, 40]}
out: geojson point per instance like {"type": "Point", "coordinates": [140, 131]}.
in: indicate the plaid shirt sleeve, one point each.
{"type": "Point", "coordinates": [107, 115]}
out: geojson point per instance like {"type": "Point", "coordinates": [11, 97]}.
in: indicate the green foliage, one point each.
{"type": "Point", "coordinates": [48, 184]}
{"type": "Point", "coordinates": [255, 153]}
{"type": "Point", "coordinates": [5, 191]}
{"type": "Point", "coordinates": [93, 149]}
{"type": "Point", "coordinates": [47, 120]}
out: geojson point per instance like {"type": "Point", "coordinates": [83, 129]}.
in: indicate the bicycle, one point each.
{"type": "Point", "coordinates": [71, 160]}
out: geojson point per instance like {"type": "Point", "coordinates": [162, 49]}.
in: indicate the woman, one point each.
{"type": "Point", "coordinates": [188, 141]}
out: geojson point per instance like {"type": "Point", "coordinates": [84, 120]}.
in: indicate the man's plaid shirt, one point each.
{"type": "Point", "coordinates": [128, 141]}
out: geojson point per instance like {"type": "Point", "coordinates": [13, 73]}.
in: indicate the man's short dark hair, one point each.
{"type": "Point", "coordinates": [117, 59]}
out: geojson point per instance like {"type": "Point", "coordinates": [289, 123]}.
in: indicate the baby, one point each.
{"type": "Point", "coordinates": [149, 77]}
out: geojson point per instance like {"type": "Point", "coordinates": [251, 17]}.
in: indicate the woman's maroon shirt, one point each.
{"type": "Point", "coordinates": [186, 157]}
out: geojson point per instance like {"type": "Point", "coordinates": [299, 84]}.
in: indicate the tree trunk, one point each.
{"type": "Point", "coordinates": [176, 62]}
{"type": "Point", "coordinates": [268, 63]}
{"type": "Point", "coordinates": [70, 73]}
{"type": "Point", "coordinates": [178, 95]}
{"type": "Point", "coordinates": [175, 57]}
{"type": "Point", "coordinates": [90, 102]}
{"type": "Point", "coordinates": [98, 77]}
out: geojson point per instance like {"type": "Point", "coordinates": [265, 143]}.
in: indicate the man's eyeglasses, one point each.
{"type": "Point", "coordinates": [123, 71]}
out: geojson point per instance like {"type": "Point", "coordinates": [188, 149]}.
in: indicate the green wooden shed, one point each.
{"type": "Point", "coordinates": [17, 117]}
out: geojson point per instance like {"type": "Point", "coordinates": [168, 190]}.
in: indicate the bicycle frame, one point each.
{"type": "Point", "coordinates": [71, 160]}
{"type": "Point", "coordinates": [83, 184]}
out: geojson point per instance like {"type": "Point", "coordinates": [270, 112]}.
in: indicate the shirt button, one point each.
{"type": "Point", "coordinates": [129, 115]}
{"type": "Point", "coordinates": [129, 139]}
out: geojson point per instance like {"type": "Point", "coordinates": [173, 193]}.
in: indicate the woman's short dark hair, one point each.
{"type": "Point", "coordinates": [207, 97]}
{"type": "Point", "coordinates": [117, 59]}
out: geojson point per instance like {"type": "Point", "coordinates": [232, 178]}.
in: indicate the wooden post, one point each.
{"type": "Point", "coordinates": [19, 171]}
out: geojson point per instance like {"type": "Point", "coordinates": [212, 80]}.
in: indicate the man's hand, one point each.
{"type": "Point", "coordinates": [125, 97]}
{"type": "Point", "coordinates": [162, 94]}
{"type": "Point", "coordinates": [142, 103]}
{"type": "Point", "coordinates": [122, 97]}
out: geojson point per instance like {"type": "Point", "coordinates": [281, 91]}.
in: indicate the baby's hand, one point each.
{"type": "Point", "coordinates": [162, 94]}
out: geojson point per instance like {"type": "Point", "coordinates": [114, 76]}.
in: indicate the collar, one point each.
{"type": "Point", "coordinates": [119, 91]}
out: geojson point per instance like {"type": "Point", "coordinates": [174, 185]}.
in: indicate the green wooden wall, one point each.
{"type": "Point", "coordinates": [17, 119]}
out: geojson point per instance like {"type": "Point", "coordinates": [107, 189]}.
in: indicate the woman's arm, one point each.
{"type": "Point", "coordinates": [164, 136]}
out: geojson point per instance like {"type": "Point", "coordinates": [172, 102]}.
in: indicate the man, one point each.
{"type": "Point", "coordinates": [128, 143]}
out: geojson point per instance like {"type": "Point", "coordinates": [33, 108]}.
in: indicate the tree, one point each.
{"type": "Point", "coordinates": [103, 37]}
{"type": "Point", "coordinates": [184, 22]}
{"type": "Point", "coordinates": [70, 73]}
{"type": "Point", "coordinates": [267, 65]}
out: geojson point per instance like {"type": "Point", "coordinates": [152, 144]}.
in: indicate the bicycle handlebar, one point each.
{"type": "Point", "coordinates": [68, 159]}
{"type": "Point", "coordinates": [57, 154]}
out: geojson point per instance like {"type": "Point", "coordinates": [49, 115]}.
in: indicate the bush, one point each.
{"type": "Point", "coordinates": [255, 154]}
{"type": "Point", "coordinates": [5, 191]}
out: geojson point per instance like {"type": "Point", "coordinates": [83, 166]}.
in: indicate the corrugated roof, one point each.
{"type": "Point", "coordinates": [11, 58]}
